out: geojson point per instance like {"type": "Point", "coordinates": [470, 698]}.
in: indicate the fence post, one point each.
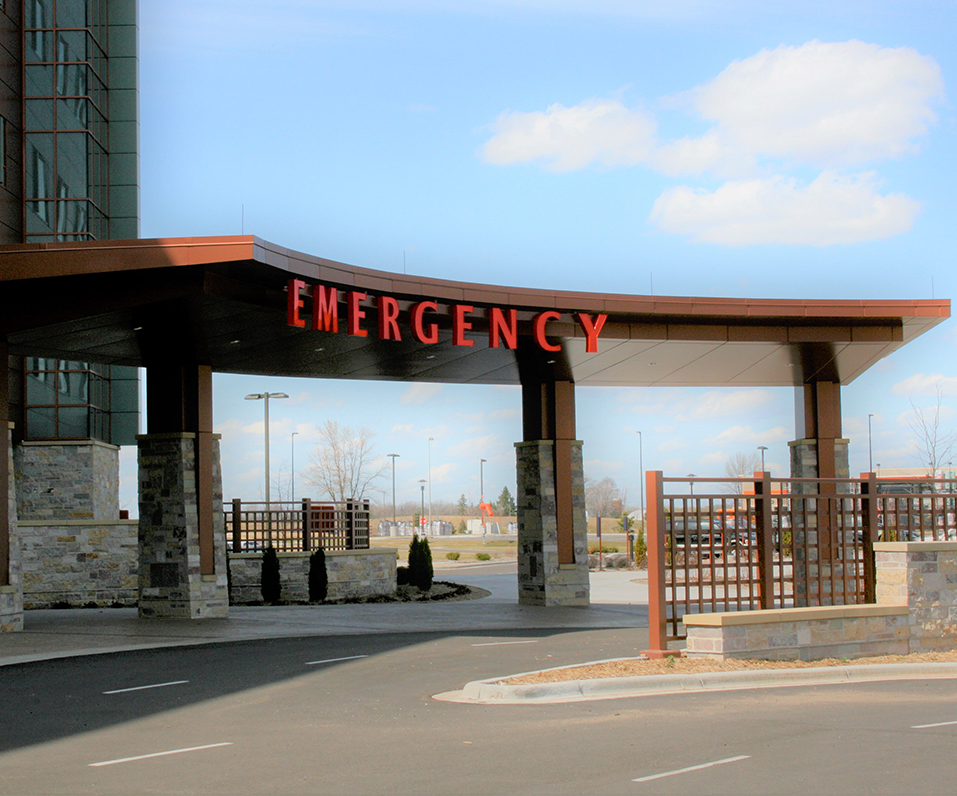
{"type": "Point", "coordinates": [350, 525]}
{"type": "Point", "coordinates": [762, 517]}
{"type": "Point", "coordinates": [654, 533]}
{"type": "Point", "coordinates": [235, 524]}
{"type": "Point", "coordinates": [306, 542]}
{"type": "Point", "coordinates": [869, 534]}
{"type": "Point", "coordinates": [366, 523]}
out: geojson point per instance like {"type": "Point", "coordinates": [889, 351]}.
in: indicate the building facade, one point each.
{"type": "Point", "coordinates": [69, 132]}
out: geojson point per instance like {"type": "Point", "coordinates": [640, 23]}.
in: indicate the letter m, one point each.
{"type": "Point", "coordinates": [325, 309]}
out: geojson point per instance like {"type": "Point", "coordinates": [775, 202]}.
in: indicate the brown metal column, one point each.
{"type": "Point", "coordinates": [4, 467]}
{"type": "Point", "coordinates": [179, 399]}
{"type": "Point", "coordinates": [822, 423]}
{"type": "Point", "coordinates": [548, 413]}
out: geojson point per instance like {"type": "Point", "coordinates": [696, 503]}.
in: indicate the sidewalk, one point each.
{"type": "Point", "coordinates": [617, 601]}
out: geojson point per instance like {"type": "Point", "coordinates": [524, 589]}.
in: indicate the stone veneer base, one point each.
{"type": "Point", "coordinates": [171, 584]}
{"type": "Point", "coordinates": [351, 573]}
{"type": "Point", "coordinates": [11, 595]}
{"type": "Point", "coordinates": [78, 563]}
{"type": "Point", "coordinates": [541, 579]}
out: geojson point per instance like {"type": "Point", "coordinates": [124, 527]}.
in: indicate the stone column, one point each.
{"type": "Point", "coordinates": [11, 583]}
{"type": "Point", "coordinates": [172, 544]}
{"type": "Point", "coordinates": [542, 578]}
{"type": "Point", "coordinates": [821, 574]}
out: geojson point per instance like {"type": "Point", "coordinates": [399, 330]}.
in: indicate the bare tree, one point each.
{"type": "Point", "coordinates": [600, 497]}
{"type": "Point", "coordinates": [741, 465]}
{"type": "Point", "coordinates": [934, 447]}
{"type": "Point", "coordinates": [343, 464]}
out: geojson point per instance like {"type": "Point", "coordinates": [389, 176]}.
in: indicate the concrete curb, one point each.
{"type": "Point", "coordinates": [491, 692]}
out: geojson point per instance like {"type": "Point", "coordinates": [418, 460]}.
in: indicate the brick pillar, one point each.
{"type": "Point", "coordinates": [542, 579]}
{"type": "Point", "coordinates": [172, 563]}
{"type": "Point", "coordinates": [11, 582]}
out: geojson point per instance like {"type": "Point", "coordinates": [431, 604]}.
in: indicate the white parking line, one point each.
{"type": "Point", "coordinates": [503, 643]}
{"type": "Point", "coordinates": [157, 754]}
{"type": "Point", "coordinates": [144, 687]}
{"type": "Point", "coordinates": [335, 660]}
{"type": "Point", "coordinates": [692, 768]}
{"type": "Point", "coordinates": [928, 726]}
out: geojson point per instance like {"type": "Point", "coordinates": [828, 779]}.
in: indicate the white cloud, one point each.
{"type": "Point", "coordinates": [828, 104]}
{"type": "Point", "coordinates": [478, 446]}
{"type": "Point", "coordinates": [420, 393]}
{"type": "Point", "coordinates": [506, 414]}
{"type": "Point", "coordinates": [599, 131]}
{"type": "Point", "coordinates": [926, 384]}
{"type": "Point", "coordinates": [442, 474]}
{"type": "Point", "coordinates": [724, 402]}
{"type": "Point", "coordinates": [745, 435]}
{"type": "Point", "coordinates": [832, 209]}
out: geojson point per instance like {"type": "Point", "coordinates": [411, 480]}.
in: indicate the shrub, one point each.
{"type": "Point", "coordinates": [452, 556]}
{"type": "Point", "coordinates": [605, 549]}
{"type": "Point", "coordinates": [641, 548]}
{"type": "Point", "coordinates": [426, 572]}
{"type": "Point", "coordinates": [483, 556]}
{"type": "Point", "coordinates": [269, 585]}
{"type": "Point", "coordinates": [402, 576]}
{"type": "Point", "coordinates": [318, 577]}
{"type": "Point", "coordinates": [420, 563]}
{"type": "Point", "coordinates": [463, 528]}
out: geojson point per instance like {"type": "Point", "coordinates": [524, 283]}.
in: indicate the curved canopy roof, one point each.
{"type": "Point", "coordinates": [223, 302]}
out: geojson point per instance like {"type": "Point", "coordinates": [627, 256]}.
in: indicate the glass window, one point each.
{"type": "Point", "coordinates": [66, 399]}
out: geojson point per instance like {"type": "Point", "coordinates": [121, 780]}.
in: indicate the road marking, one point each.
{"type": "Point", "coordinates": [144, 687]}
{"type": "Point", "coordinates": [335, 660]}
{"type": "Point", "coordinates": [692, 768]}
{"type": "Point", "coordinates": [158, 754]}
{"type": "Point", "coordinates": [503, 643]}
{"type": "Point", "coordinates": [927, 726]}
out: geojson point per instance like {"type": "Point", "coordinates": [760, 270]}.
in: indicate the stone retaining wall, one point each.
{"type": "Point", "coordinates": [79, 562]}
{"type": "Point", "coordinates": [916, 611]}
{"type": "Point", "coordinates": [922, 576]}
{"type": "Point", "coordinates": [832, 631]}
{"type": "Point", "coordinates": [352, 573]}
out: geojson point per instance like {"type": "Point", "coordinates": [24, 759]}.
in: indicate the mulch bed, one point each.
{"type": "Point", "coordinates": [441, 591]}
{"type": "Point", "coordinates": [636, 667]}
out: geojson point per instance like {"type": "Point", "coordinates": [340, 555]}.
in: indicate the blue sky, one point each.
{"type": "Point", "coordinates": [799, 150]}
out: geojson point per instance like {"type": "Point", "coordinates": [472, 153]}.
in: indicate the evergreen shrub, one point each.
{"type": "Point", "coordinates": [269, 584]}
{"type": "Point", "coordinates": [318, 577]}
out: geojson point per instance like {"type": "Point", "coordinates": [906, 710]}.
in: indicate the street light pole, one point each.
{"type": "Point", "coordinates": [294, 466]}
{"type": "Point", "coordinates": [870, 448]}
{"type": "Point", "coordinates": [482, 493]}
{"type": "Point", "coordinates": [264, 397]}
{"type": "Point", "coordinates": [422, 505]}
{"type": "Point", "coordinates": [641, 482]}
{"type": "Point", "coordinates": [393, 456]}
{"type": "Point", "coordinates": [762, 448]}
{"type": "Point", "coordinates": [430, 482]}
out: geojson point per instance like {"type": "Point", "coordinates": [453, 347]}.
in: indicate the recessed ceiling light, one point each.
{"type": "Point", "coordinates": [319, 349]}
{"type": "Point", "coordinates": [549, 361]}
{"type": "Point", "coordinates": [234, 342]}
{"type": "Point", "coordinates": [137, 328]}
